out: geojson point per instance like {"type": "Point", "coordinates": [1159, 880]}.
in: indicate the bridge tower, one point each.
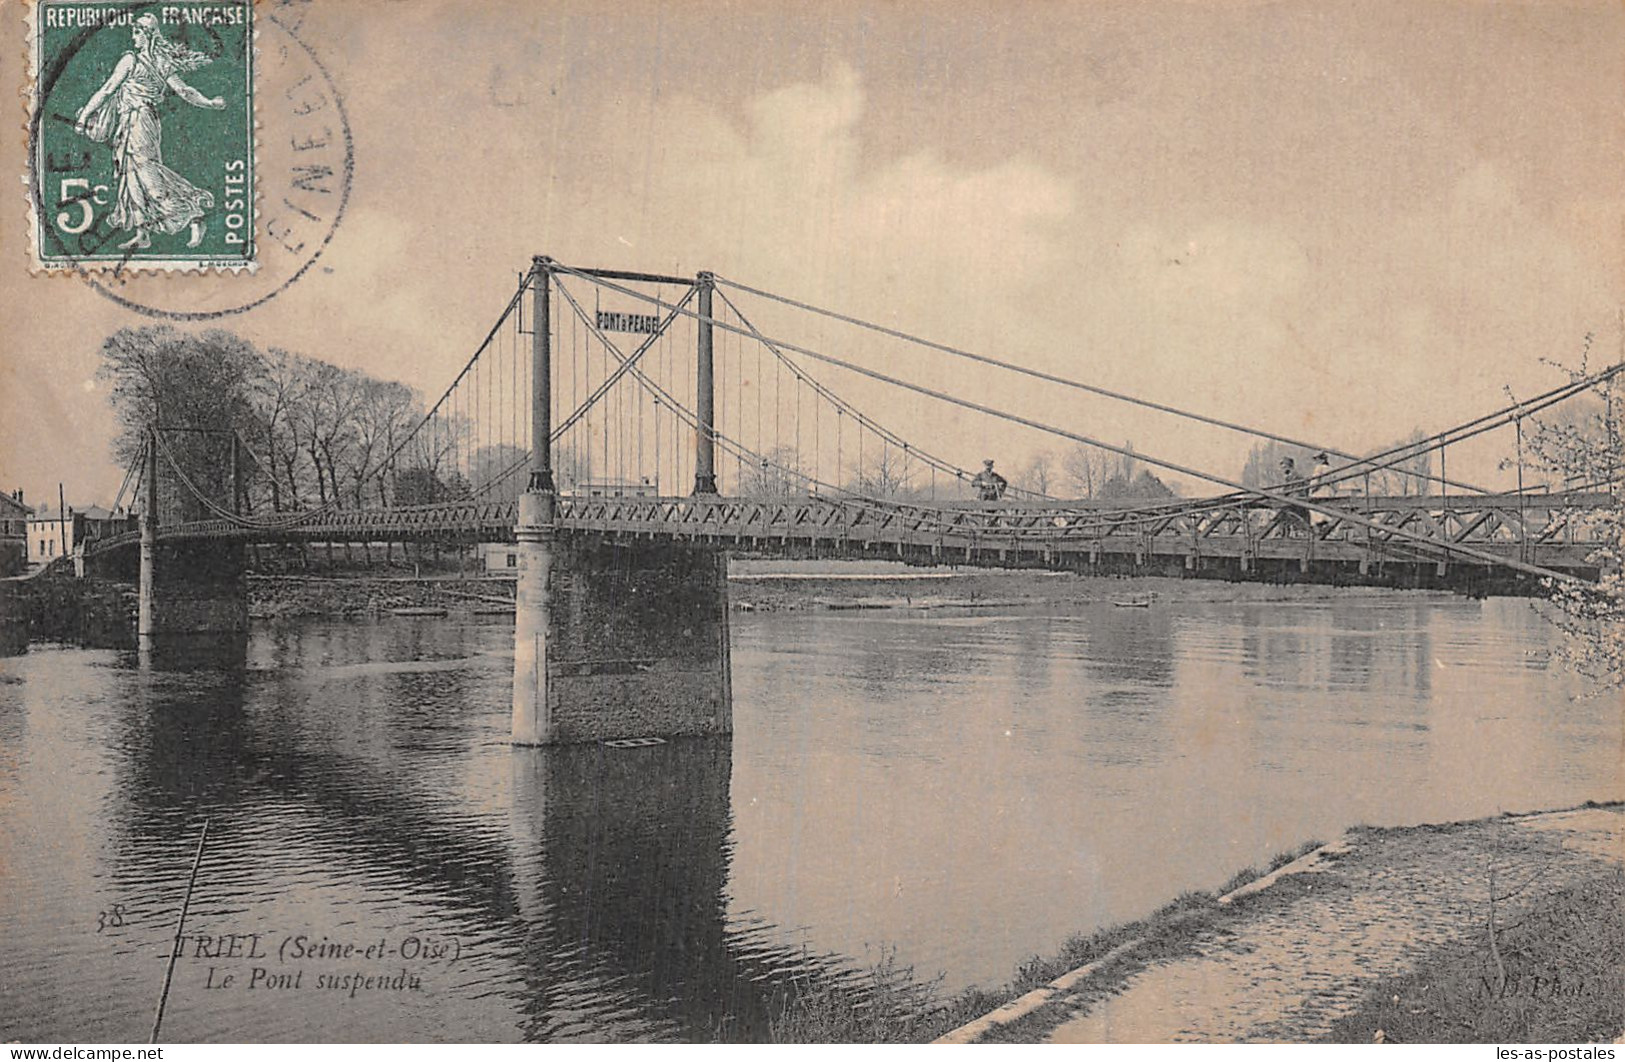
{"type": "Point", "coordinates": [705, 404]}
{"type": "Point", "coordinates": [193, 597]}
{"type": "Point", "coordinates": [613, 639]}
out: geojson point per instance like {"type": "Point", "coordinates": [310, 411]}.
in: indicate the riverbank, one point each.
{"type": "Point", "coordinates": [1383, 935]}
{"type": "Point", "coordinates": [778, 586]}
{"type": "Point", "coordinates": [1008, 589]}
{"type": "Point", "coordinates": [362, 595]}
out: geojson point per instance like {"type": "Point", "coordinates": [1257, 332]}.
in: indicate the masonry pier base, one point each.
{"type": "Point", "coordinates": [616, 640]}
{"type": "Point", "coordinates": [193, 602]}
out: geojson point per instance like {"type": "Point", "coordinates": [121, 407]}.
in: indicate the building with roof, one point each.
{"type": "Point", "coordinates": [53, 534]}
{"type": "Point", "coordinates": [13, 533]}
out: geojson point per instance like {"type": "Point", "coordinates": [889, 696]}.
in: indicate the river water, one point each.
{"type": "Point", "coordinates": [955, 792]}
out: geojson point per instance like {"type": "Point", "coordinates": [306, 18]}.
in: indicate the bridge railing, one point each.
{"type": "Point", "coordinates": [1229, 523]}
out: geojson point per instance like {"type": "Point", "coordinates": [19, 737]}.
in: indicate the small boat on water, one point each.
{"type": "Point", "coordinates": [422, 611]}
{"type": "Point", "coordinates": [1137, 601]}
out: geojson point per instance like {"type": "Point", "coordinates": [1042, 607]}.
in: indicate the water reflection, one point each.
{"type": "Point", "coordinates": [1319, 646]}
{"type": "Point", "coordinates": [1133, 648]}
{"type": "Point", "coordinates": [191, 652]}
{"type": "Point", "coordinates": [965, 789]}
{"type": "Point", "coordinates": [185, 742]}
{"type": "Point", "coordinates": [588, 884]}
{"type": "Point", "coordinates": [631, 859]}
{"type": "Point", "coordinates": [989, 802]}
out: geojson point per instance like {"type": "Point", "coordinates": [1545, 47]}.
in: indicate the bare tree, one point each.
{"type": "Point", "coordinates": [777, 475]}
{"type": "Point", "coordinates": [499, 472]}
{"type": "Point", "coordinates": [1083, 468]}
{"type": "Point", "coordinates": [1414, 475]}
{"type": "Point", "coordinates": [428, 468]}
{"type": "Point", "coordinates": [1039, 475]}
{"type": "Point", "coordinates": [385, 413]}
{"type": "Point", "coordinates": [888, 472]}
{"type": "Point", "coordinates": [276, 389]}
{"type": "Point", "coordinates": [1127, 463]}
{"type": "Point", "coordinates": [333, 398]}
{"type": "Point", "coordinates": [195, 387]}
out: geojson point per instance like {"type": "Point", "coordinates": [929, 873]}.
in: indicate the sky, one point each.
{"type": "Point", "coordinates": [1338, 220]}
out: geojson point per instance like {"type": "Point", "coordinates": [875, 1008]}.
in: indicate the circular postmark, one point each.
{"type": "Point", "coordinates": [277, 203]}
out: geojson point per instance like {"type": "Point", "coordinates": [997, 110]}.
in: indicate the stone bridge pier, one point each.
{"type": "Point", "coordinates": [615, 640]}
{"type": "Point", "coordinates": [193, 599]}
{"type": "Point", "coordinates": [193, 594]}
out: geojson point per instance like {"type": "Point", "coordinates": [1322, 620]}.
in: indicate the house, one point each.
{"type": "Point", "coordinates": [50, 535]}
{"type": "Point", "coordinates": [54, 534]}
{"type": "Point", "coordinates": [615, 488]}
{"type": "Point", "coordinates": [13, 533]}
{"type": "Point", "coordinates": [97, 522]}
{"type": "Point", "coordinates": [500, 557]}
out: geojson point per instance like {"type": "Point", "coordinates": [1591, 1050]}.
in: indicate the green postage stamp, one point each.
{"type": "Point", "coordinates": [141, 134]}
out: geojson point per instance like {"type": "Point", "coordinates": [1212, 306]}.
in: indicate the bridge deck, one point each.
{"type": "Point", "coordinates": [1551, 530]}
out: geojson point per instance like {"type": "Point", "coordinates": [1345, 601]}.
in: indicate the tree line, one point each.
{"type": "Point", "coordinates": [310, 433]}
{"type": "Point", "coordinates": [894, 474]}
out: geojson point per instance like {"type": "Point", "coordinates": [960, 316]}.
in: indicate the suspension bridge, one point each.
{"type": "Point", "coordinates": [629, 430]}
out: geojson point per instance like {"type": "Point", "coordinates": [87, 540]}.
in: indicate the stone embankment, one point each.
{"type": "Point", "coordinates": [819, 586]}
{"type": "Point", "coordinates": [55, 606]}
{"type": "Point", "coordinates": [13, 618]}
{"type": "Point", "coordinates": [296, 596]}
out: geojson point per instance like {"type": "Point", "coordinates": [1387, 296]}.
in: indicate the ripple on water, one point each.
{"type": "Point", "coordinates": [958, 792]}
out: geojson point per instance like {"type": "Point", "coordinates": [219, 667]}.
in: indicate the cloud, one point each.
{"type": "Point", "coordinates": [1275, 214]}
{"type": "Point", "coordinates": [1219, 268]}
{"type": "Point", "coordinates": [789, 193]}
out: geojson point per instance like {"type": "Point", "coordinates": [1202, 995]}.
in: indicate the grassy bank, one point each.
{"type": "Point", "coordinates": [1553, 974]}
{"type": "Point", "coordinates": [1392, 926]}
{"type": "Point", "coordinates": [892, 1004]}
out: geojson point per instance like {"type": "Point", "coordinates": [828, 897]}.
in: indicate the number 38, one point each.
{"type": "Point", "coordinates": [77, 192]}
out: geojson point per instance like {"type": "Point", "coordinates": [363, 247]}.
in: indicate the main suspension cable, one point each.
{"type": "Point", "coordinates": [1053, 378]}
{"type": "Point", "coordinates": [1015, 418]}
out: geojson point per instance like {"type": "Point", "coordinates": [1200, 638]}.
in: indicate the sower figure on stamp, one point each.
{"type": "Point", "coordinates": [125, 111]}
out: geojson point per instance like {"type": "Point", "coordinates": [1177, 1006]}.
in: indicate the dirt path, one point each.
{"type": "Point", "coordinates": [1286, 968]}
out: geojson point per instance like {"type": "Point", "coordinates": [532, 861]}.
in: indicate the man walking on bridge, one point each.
{"type": "Point", "coordinates": [990, 486]}
{"type": "Point", "coordinates": [1297, 517]}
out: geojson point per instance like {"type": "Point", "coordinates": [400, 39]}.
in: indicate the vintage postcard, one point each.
{"type": "Point", "coordinates": [871, 521]}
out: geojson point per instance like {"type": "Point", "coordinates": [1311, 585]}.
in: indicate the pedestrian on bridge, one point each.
{"type": "Point", "coordinates": [990, 486]}
{"type": "Point", "coordinates": [1296, 486]}
{"type": "Point", "coordinates": [1317, 478]}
